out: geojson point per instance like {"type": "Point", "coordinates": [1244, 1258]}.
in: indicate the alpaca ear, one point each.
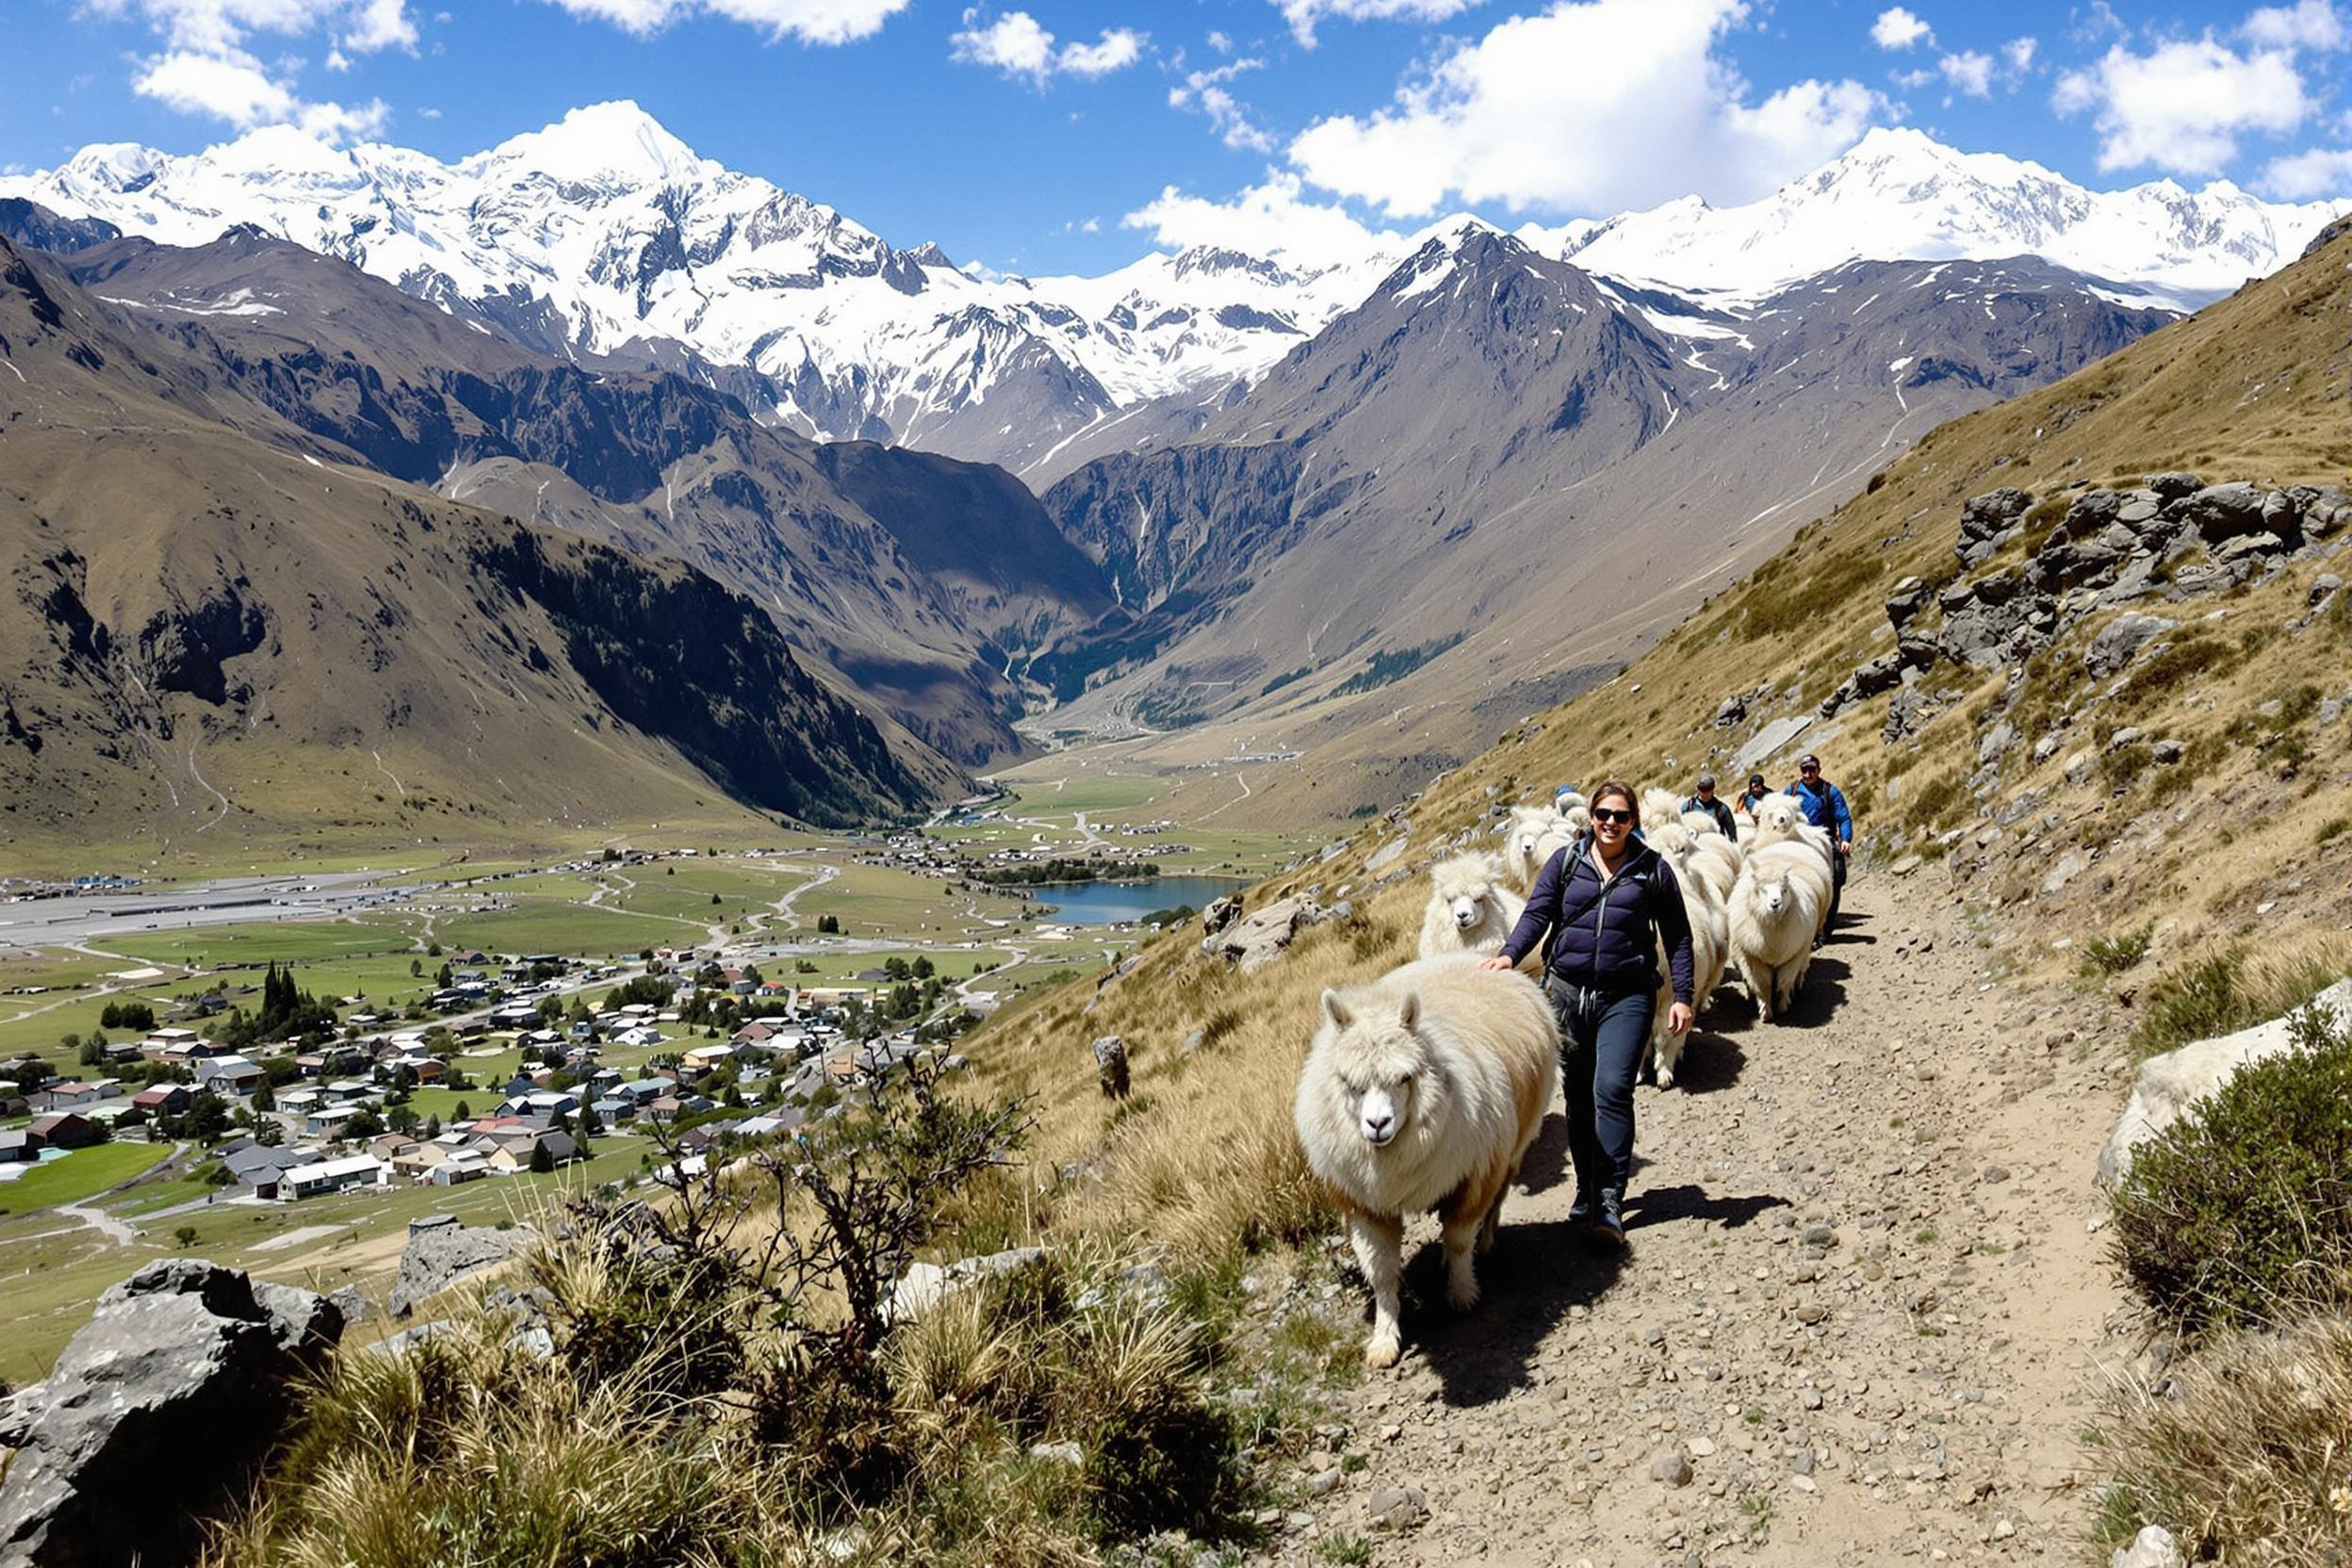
{"type": "Point", "coordinates": [1337, 1011]}
{"type": "Point", "coordinates": [1409, 1013]}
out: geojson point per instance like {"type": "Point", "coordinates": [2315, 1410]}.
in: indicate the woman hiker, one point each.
{"type": "Point", "coordinates": [1609, 902]}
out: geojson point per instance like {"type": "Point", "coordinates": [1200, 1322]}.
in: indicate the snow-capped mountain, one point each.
{"type": "Point", "coordinates": [605, 239]}
{"type": "Point", "coordinates": [1901, 195]}
{"type": "Point", "coordinates": [605, 235]}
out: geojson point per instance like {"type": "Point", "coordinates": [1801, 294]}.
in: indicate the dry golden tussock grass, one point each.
{"type": "Point", "coordinates": [2246, 1457]}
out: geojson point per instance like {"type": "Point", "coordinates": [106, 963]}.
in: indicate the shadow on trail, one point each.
{"type": "Point", "coordinates": [1537, 1271]}
{"type": "Point", "coordinates": [1663, 1205]}
{"type": "Point", "coordinates": [1821, 996]}
{"type": "Point", "coordinates": [1545, 1165]}
{"type": "Point", "coordinates": [1711, 1061]}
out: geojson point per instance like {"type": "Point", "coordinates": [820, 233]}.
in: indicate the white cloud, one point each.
{"type": "Point", "coordinates": [2182, 105]}
{"type": "Point", "coordinates": [2308, 24]}
{"type": "Point", "coordinates": [1220, 42]}
{"type": "Point", "coordinates": [1304, 15]}
{"type": "Point", "coordinates": [1117, 48]}
{"type": "Point", "coordinates": [2306, 175]}
{"type": "Point", "coordinates": [1896, 28]}
{"type": "Point", "coordinates": [1969, 71]}
{"type": "Point", "coordinates": [1228, 116]}
{"type": "Point", "coordinates": [221, 27]}
{"type": "Point", "coordinates": [2018, 52]}
{"type": "Point", "coordinates": [231, 86]}
{"type": "Point", "coordinates": [808, 20]}
{"type": "Point", "coordinates": [428, 113]}
{"type": "Point", "coordinates": [1491, 123]}
{"type": "Point", "coordinates": [1016, 44]}
{"type": "Point", "coordinates": [205, 68]}
{"type": "Point", "coordinates": [1270, 220]}
{"type": "Point", "coordinates": [1908, 80]}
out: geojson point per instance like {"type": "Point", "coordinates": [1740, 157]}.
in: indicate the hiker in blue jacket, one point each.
{"type": "Point", "coordinates": [1824, 806]}
{"type": "Point", "coordinates": [1609, 902]}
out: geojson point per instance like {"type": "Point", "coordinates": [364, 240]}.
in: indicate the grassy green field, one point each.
{"type": "Point", "coordinates": [260, 944]}
{"type": "Point", "coordinates": [81, 1174]}
{"type": "Point", "coordinates": [52, 1270]}
{"type": "Point", "coordinates": [548, 925]}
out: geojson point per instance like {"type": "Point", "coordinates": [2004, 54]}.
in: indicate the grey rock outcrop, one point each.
{"type": "Point", "coordinates": [1110, 1066]}
{"type": "Point", "coordinates": [2154, 1546]}
{"type": "Point", "coordinates": [2170, 1084]}
{"type": "Point", "coordinates": [2120, 642]}
{"type": "Point", "coordinates": [924, 1285]}
{"type": "Point", "coordinates": [1257, 941]}
{"type": "Point", "coordinates": [156, 1416]}
{"type": "Point", "coordinates": [441, 1251]}
{"type": "Point", "coordinates": [1987, 521]}
{"type": "Point", "coordinates": [1220, 913]}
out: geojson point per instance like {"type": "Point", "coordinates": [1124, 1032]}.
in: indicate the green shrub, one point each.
{"type": "Point", "coordinates": [2164, 671]}
{"type": "Point", "coordinates": [2113, 954]}
{"type": "Point", "coordinates": [2334, 827]}
{"type": "Point", "coordinates": [2241, 1211]}
{"type": "Point", "coordinates": [2224, 991]}
{"type": "Point", "coordinates": [1927, 805]}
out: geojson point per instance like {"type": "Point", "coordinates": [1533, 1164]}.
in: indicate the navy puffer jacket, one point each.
{"type": "Point", "coordinates": [1608, 933]}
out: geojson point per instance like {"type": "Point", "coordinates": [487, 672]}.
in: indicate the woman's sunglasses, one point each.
{"type": "Point", "coordinates": [1602, 813]}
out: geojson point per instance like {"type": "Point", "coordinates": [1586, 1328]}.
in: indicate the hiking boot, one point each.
{"type": "Point", "coordinates": [1608, 1223]}
{"type": "Point", "coordinates": [1581, 1212]}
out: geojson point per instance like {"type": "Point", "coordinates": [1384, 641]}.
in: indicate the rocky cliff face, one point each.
{"type": "Point", "coordinates": [201, 630]}
{"type": "Point", "coordinates": [917, 580]}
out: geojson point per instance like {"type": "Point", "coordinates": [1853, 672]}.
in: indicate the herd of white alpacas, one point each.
{"type": "Point", "coordinates": [1423, 1090]}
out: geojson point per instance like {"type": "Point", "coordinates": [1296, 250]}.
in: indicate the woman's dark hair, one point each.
{"type": "Point", "coordinates": [1624, 790]}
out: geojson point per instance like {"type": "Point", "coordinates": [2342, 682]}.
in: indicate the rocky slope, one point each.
{"type": "Point", "coordinates": [206, 634]}
{"type": "Point", "coordinates": [912, 580]}
{"type": "Point", "coordinates": [1488, 409]}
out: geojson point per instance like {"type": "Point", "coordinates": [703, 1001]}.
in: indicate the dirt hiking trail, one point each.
{"type": "Point", "coordinates": [1862, 1319]}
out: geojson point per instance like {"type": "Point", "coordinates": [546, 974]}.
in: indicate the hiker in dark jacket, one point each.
{"type": "Point", "coordinates": [1714, 806]}
{"type": "Point", "coordinates": [1609, 902]}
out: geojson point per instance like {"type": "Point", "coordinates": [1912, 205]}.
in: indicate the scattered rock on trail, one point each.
{"type": "Point", "coordinates": [2153, 1548]}
{"type": "Point", "coordinates": [441, 1251]}
{"type": "Point", "coordinates": [1398, 1508]}
{"type": "Point", "coordinates": [156, 1416]}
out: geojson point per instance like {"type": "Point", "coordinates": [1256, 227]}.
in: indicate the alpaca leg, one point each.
{"type": "Point", "coordinates": [1379, 1241]}
{"type": "Point", "coordinates": [1461, 1234]}
{"type": "Point", "coordinates": [1669, 1049]}
{"type": "Point", "coordinates": [1494, 1214]}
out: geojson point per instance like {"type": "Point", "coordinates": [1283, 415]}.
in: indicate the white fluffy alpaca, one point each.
{"type": "Point", "coordinates": [1780, 820]}
{"type": "Point", "coordinates": [1422, 1091]}
{"type": "Point", "coordinates": [1709, 945]}
{"type": "Point", "coordinates": [1472, 908]}
{"type": "Point", "coordinates": [1533, 835]}
{"type": "Point", "coordinates": [1709, 855]}
{"type": "Point", "coordinates": [1776, 907]}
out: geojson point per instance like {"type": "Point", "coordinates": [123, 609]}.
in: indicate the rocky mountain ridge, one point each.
{"type": "Point", "coordinates": [218, 629]}
{"type": "Point", "coordinates": [605, 235]}
{"type": "Point", "coordinates": [1488, 408]}
{"type": "Point", "coordinates": [849, 549]}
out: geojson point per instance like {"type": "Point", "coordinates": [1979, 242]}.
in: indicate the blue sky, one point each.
{"type": "Point", "coordinates": [1049, 136]}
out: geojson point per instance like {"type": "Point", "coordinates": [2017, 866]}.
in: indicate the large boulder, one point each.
{"type": "Point", "coordinates": [441, 1251]}
{"type": "Point", "coordinates": [1986, 521]}
{"type": "Point", "coordinates": [158, 1415]}
{"type": "Point", "coordinates": [2222, 512]}
{"type": "Point", "coordinates": [1256, 941]}
{"type": "Point", "coordinates": [2120, 642]}
{"type": "Point", "coordinates": [2170, 1084]}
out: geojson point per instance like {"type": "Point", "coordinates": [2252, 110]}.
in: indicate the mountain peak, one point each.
{"type": "Point", "coordinates": [618, 138]}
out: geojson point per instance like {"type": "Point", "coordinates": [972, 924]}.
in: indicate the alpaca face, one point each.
{"type": "Point", "coordinates": [1469, 910]}
{"type": "Point", "coordinates": [1779, 815]}
{"type": "Point", "coordinates": [1377, 1076]}
{"type": "Point", "coordinates": [1773, 896]}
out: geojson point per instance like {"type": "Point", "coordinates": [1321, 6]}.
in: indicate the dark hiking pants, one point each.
{"type": "Point", "coordinates": [1602, 1034]}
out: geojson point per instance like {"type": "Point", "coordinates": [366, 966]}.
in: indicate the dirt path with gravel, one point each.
{"type": "Point", "coordinates": [1862, 1319]}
